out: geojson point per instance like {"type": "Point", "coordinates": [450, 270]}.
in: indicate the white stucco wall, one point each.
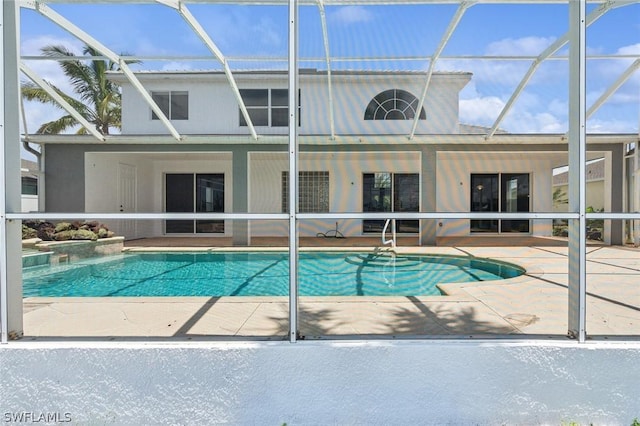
{"type": "Point", "coordinates": [29, 203]}
{"type": "Point", "coordinates": [453, 178]}
{"type": "Point", "coordinates": [345, 185]}
{"type": "Point", "coordinates": [101, 187]}
{"type": "Point", "coordinates": [272, 383]}
{"type": "Point", "coordinates": [101, 177]}
{"type": "Point", "coordinates": [213, 108]}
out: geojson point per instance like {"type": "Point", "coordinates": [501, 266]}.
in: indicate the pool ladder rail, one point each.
{"type": "Point", "coordinates": [393, 239]}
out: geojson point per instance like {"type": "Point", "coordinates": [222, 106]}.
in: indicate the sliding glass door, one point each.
{"type": "Point", "coordinates": [188, 193]}
{"type": "Point", "coordinates": [507, 192]}
{"type": "Point", "coordinates": [390, 192]}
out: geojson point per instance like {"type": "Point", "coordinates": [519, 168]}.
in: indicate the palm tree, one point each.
{"type": "Point", "coordinates": [99, 100]}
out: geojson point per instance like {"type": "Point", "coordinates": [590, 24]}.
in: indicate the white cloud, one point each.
{"type": "Point", "coordinates": [528, 115]}
{"type": "Point", "coordinates": [610, 126]}
{"type": "Point", "coordinates": [520, 46]}
{"type": "Point", "coordinates": [268, 32]}
{"type": "Point", "coordinates": [527, 121]}
{"type": "Point", "coordinates": [176, 66]}
{"type": "Point", "coordinates": [351, 15]}
{"type": "Point", "coordinates": [481, 110]}
{"type": "Point", "coordinates": [633, 49]}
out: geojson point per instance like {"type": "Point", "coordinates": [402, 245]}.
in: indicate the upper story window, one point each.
{"type": "Point", "coordinates": [267, 107]}
{"type": "Point", "coordinates": [175, 105]}
{"type": "Point", "coordinates": [394, 104]}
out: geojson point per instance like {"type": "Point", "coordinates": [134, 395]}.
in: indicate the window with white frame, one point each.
{"type": "Point", "coordinates": [174, 104]}
{"type": "Point", "coordinates": [394, 104]}
{"type": "Point", "coordinates": [313, 192]}
{"type": "Point", "coordinates": [267, 107]}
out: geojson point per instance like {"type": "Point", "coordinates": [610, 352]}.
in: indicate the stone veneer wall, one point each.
{"type": "Point", "coordinates": [68, 251]}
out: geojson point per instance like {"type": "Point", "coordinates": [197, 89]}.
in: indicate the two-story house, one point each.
{"type": "Point", "coordinates": [362, 149]}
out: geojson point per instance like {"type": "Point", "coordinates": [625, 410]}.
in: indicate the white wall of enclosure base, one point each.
{"type": "Point", "coordinates": [272, 383]}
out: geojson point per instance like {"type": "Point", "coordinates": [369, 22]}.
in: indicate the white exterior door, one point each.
{"type": "Point", "coordinates": [127, 194]}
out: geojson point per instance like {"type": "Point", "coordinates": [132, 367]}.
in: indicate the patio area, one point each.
{"type": "Point", "coordinates": [533, 304]}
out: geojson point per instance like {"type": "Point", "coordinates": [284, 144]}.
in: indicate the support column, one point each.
{"type": "Point", "coordinates": [10, 230]}
{"type": "Point", "coordinates": [428, 227]}
{"type": "Point", "coordinates": [577, 165]}
{"type": "Point", "coordinates": [294, 232]}
{"type": "Point", "coordinates": [240, 171]}
{"type": "Point", "coordinates": [636, 194]}
{"type": "Point", "coordinates": [616, 231]}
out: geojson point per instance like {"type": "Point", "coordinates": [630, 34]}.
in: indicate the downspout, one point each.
{"type": "Point", "coordinates": [37, 154]}
{"type": "Point", "coordinates": [29, 148]}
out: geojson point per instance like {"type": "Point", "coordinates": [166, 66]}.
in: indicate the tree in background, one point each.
{"type": "Point", "coordinates": [98, 99]}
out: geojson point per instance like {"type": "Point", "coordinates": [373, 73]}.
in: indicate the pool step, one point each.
{"type": "Point", "coordinates": [30, 259]}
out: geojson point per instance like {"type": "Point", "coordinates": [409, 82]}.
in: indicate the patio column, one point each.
{"type": "Point", "coordinates": [428, 184]}
{"type": "Point", "coordinates": [577, 164]}
{"type": "Point", "coordinates": [240, 171]}
{"type": "Point", "coordinates": [10, 230]}
{"type": "Point", "coordinates": [614, 174]}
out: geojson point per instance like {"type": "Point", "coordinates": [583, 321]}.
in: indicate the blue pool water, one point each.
{"type": "Point", "coordinates": [259, 274]}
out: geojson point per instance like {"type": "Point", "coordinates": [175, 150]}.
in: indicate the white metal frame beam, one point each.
{"type": "Point", "coordinates": [553, 48]}
{"type": "Point", "coordinates": [443, 42]}
{"type": "Point", "coordinates": [182, 9]}
{"type": "Point", "coordinates": [4, 273]}
{"type": "Point", "coordinates": [60, 100]}
{"type": "Point", "coordinates": [325, 38]}
{"type": "Point", "coordinates": [335, 2]}
{"type": "Point", "coordinates": [614, 86]}
{"type": "Point", "coordinates": [11, 317]}
{"type": "Point", "coordinates": [67, 25]}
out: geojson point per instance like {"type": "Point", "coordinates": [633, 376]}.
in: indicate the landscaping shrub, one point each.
{"type": "Point", "coordinates": [64, 231]}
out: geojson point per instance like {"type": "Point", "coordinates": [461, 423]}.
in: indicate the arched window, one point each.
{"type": "Point", "coordinates": [394, 104]}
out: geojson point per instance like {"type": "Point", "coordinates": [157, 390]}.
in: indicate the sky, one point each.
{"type": "Point", "coordinates": [388, 33]}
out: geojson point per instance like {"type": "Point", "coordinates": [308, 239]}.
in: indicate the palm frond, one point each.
{"type": "Point", "coordinates": [32, 92]}
{"type": "Point", "coordinates": [80, 75]}
{"type": "Point", "coordinates": [99, 98]}
{"type": "Point", "coordinates": [57, 126]}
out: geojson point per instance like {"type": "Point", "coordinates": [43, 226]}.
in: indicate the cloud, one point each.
{"type": "Point", "coordinates": [610, 126]}
{"type": "Point", "coordinates": [526, 121]}
{"type": "Point", "coordinates": [481, 110]}
{"type": "Point", "coordinates": [633, 49]}
{"type": "Point", "coordinates": [531, 45]}
{"type": "Point", "coordinates": [176, 66]}
{"type": "Point", "coordinates": [247, 31]}
{"type": "Point", "coordinates": [528, 115]}
{"type": "Point", "coordinates": [351, 15]}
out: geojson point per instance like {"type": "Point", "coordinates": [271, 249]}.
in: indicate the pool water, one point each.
{"type": "Point", "coordinates": [259, 274]}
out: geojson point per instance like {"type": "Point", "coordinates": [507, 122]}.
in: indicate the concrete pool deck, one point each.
{"type": "Point", "coordinates": [533, 304]}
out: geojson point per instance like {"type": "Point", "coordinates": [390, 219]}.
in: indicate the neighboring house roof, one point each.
{"type": "Point", "coordinates": [595, 171]}
{"type": "Point", "coordinates": [472, 129]}
{"type": "Point", "coordinates": [28, 168]}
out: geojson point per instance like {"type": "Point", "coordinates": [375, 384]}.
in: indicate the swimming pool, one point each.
{"type": "Point", "coordinates": [259, 274]}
